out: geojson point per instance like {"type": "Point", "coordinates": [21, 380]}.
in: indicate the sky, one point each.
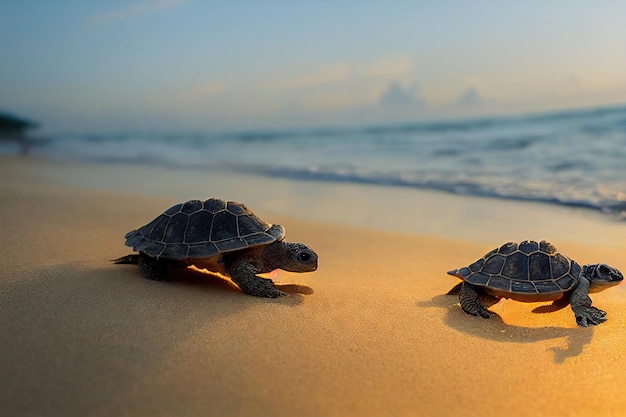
{"type": "Point", "coordinates": [87, 65]}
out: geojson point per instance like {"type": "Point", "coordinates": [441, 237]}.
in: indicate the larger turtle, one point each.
{"type": "Point", "coordinates": [533, 271]}
{"type": "Point", "coordinates": [220, 236]}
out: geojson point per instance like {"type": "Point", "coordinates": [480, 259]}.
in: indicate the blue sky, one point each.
{"type": "Point", "coordinates": [212, 65]}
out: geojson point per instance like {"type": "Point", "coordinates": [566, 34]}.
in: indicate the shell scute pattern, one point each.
{"type": "Point", "coordinates": [199, 224]}
{"type": "Point", "coordinates": [157, 232]}
{"type": "Point", "coordinates": [201, 229]}
{"type": "Point", "coordinates": [213, 205]}
{"type": "Point", "coordinates": [500, 283]}
{"type": "Point", "coordinates": [133, 239]}
{"type": "Point", "coordinates": [546, 287]}
{"type": "Point", "coordinates": [174, 209]}
{"type": "Point", "coordinates": [547, 247]}
{"type": "Point", "coordinates": [559, 265]}
{"type": "Point", "coordinates": [516, 266]}
{"type": "Point", "coordinates": [507, 248]}
{"type": "Point", "coordinates": [224, 226]}
{"type": "Point", "coordinates": [249, 224]}
{"type": "Point", "coordinates": [528, 247]}
{"type": "Point", "coordinates": [539, 266]}
{"type": "Point", "coordinates": [480, 279]}
{"type": "Point", "coordinates": [254, 240]}
{"type": "Point", "coordinates": [476, 266]}
{"type": "Point", "coordinates": [175, 230]}
{"type": "Point", "coordinates": [172, 250]}
{"type": "Point", "coordinates": [231, 244]}
{"type": "Point", "coordinates": [201, 250]}
{"type": "Point", "coordinates": [191, 206]}
{"type": "Point", "coordinates": [153, 247]}
{"type": "Point", "coordinates": [529, 267]}
{"type": "Point", "coordinates": [566, 282]}
{"type": "Point", "coordinates": [236, 208]}
{"type": "Point", "coordinates": [493, 264]}
{"type": "Point", "coordinates": [465, 272]}
{"type": "Point", "coordinates": [522, 287]}
{"type": "Point", "coordinates": [575, 269]}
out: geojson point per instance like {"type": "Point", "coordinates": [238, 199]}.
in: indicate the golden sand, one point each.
{"type": "Point", "coordinates": [371, 333]}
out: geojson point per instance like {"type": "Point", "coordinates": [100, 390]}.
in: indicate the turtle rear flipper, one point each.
{"type": "Point", "coordinates": [470, 301]}
{"type": "Point", "coordinates": [149, 267]}
{"type": "Point", "coordinates": [153, 269]}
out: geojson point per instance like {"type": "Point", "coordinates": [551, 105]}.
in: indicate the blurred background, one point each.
{"type": "Point", "coordinates": [516, 100]}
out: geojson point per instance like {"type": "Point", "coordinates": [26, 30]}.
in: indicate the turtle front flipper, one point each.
{"type": "Point", "coordinates": [589, 315]}
{"type": "Point", "coordinates": [580, 302]}
{"type": "Point", "coordinates": [470, 301]}
{"type": "Point", "coordinates": [244, 275]}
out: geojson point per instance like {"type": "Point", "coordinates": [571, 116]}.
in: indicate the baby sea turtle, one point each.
{"type": "Point", "coordinates": [533, 271]}
{"type": "Point", "coordinates": [219, 236]}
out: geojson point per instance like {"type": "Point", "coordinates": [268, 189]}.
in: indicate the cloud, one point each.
{"type": "Point", "coordinates": [339, 86]}
{"type": "Point", "coordinates": [398, 96]}
{"type": "Point", "coordinates": [469, 97]}
{"type": "Point", "coordinates": [134, 10]}
{"type": "Point", "coordinates": [386, 68]}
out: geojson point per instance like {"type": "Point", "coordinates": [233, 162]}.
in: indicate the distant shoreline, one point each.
{"type": "Point", "coordinates": [570, 158]}
{"type": "Point", "coordinates": [400, 209]}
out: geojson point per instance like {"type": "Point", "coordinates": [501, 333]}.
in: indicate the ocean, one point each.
{"type": "Point", "coordinates": [571, 158]}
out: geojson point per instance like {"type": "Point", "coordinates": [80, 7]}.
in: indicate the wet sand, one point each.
{"type": "Point", "coordinates": [370, 333]}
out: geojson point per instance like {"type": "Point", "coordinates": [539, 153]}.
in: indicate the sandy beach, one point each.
{"type": "Point", "coordinates": [370, 333]}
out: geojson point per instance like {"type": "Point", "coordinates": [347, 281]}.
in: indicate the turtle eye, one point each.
{"type": "Point", "coordinates": [603, 269]}
{"type": "Point", "coordinates": [304, 256]}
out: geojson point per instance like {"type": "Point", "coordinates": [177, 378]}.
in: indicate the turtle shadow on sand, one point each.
{"type": "Point", "coordinates": [74, 335]}
{"type": "Point", "coordinates": [201, 278]}
{"type": "Point", "coordinates": [497, 330]}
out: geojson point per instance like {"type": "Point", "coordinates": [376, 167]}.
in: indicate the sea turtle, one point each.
{"type": "Point", "coordinates": [533, 271]}
{"type": "Point", "coordinates": [219, 236]}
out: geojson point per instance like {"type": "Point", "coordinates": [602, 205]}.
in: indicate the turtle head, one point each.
{"type": "Point", "coordinates": [292, 257]}
{"type": "Point", "coordinates": [601, 276]}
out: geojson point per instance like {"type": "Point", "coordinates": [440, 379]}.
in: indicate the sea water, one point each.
{"type": "Point", "coordinates": [574, 158]}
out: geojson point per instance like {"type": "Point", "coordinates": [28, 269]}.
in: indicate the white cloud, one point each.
{"type": "Point", "coordinates": [469, 97]}
{"type": "Point", "coordinates": [383, 69]}
{"type": "Point", "coordinates": [398, 96]}
{"type": "Point", "coordinates": [331, 89]}
{"type": "Point", "coordinates": [134, 10]}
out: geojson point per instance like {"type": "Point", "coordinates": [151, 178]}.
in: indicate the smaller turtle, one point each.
{"type": "Point", "coordinates": [533, 271]}
{"type": "Point", "coordinates": [220, 236]}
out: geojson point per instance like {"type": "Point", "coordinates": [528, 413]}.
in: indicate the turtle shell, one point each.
{"type": "Point", "coordinates": [528, 271]}
{"type": "Point", "coordinates": [202, 229]}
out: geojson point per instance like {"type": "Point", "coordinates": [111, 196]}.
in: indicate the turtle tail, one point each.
{"type": "Point", "coordinates": [132, 259]}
